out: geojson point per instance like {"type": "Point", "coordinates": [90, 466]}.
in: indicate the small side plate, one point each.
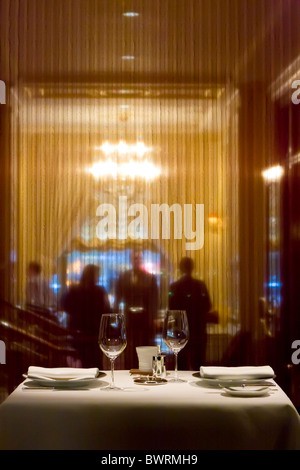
{"type": "Point", "coordinates": [246, 391]}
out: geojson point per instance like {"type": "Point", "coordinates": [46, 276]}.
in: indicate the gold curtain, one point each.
{"type": "Point", "coordinates": [190, 79]}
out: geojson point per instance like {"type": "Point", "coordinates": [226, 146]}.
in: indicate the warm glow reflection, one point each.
{"type": "Point", "coordinates": [132, 169]}
{"type": "Point", "coordinates": [215, 221]}
{"type": "Point", "coordinates": [273, 174]}
{"type": "Point", "coordinates": [131, 166]}
{"type": "Point", "coordinates": [130, 14]}
{"type": "Point", "coordinates": [122, 148]}
{"type": "Point", "coordinates": [76, 267]}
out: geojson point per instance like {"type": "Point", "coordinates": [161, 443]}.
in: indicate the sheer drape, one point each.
{"type": "Point", "coordinates": [192, 81]}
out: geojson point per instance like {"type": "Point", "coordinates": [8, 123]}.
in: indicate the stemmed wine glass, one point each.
{"type": "Point", "coordinates": [112, 340]}
{"type": "Point", "coordinates": [176, 334]}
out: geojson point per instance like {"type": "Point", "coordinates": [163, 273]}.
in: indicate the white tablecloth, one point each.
{"type": "Point", "coordinates": [169, 417]}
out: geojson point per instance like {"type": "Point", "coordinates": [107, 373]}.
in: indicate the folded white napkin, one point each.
{"type": "Point", "coordinates": [62, 373]}
{"type": "Point", "coordinates": [245, 372]}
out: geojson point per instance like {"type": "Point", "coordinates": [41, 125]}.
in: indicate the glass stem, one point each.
{"type": "Point", "coordinates": [112, 383]}
{"type": "Point", "coordinates": [176, 366]}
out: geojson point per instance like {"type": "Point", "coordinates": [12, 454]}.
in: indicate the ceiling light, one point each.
{"type": "Point", "coordinates": [103, 169]}
{"type": "Point", "coordinates": [122, 148]}
{"type": "Point", "coordinates": [125, 161]}
{"type": "Point", "coordinates": [273, 174]}
{"type": "Point", "coordinates": [132, 169]}
{"type": "Point", "coordinates": [213, 220]}
{"type": "Point", "coordinates": [128, 57]}
{"type": "Point", "coordinates": [130, 14]}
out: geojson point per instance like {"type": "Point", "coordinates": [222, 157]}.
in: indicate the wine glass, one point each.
{"type": "Point", "coordinates": [112, 340]}
{"type": "Point", "coordinates": [176, 334]}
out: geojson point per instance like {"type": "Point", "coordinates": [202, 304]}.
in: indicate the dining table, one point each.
{"type": "Point", "coordinates": [191, 415]}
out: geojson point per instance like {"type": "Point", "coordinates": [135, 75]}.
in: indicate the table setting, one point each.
{"type": "Point", "coordinates": [61, 378]}
{"type": "Point", "coordinates": [150, 407]}
{"type": "Point", "coordinates": [244, 381]}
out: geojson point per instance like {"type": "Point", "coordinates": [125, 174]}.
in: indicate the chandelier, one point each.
{"type": "Point", "coordinates": [125, 162]}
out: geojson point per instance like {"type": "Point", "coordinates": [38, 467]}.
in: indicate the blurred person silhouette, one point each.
{"type": "Point", "coordinates": [85, 303]}
{"type": "Point", "coordinates": [137, 296]}
{"type": "Point", "coordinates": [39, 295]}
{"type": "Point", "coordinates": [191, 295]}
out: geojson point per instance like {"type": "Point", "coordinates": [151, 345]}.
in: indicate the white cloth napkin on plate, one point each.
{"type": "Point", "coordinates": [245, 372]}
{"type": "Point", "coordinates": [61, 373]}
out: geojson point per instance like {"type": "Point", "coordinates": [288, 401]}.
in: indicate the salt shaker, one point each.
{"type": "Point", "coordinates": [158, 367]}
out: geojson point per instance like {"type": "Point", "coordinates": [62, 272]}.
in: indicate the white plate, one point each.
{"type": "Point", "coordinates": [209, 382]}
{"type": "Point", "coordinates": [237, 382]}
{"type": "Point", "coordinates": [237, 377]}
{"type": "Point", "coordinates": [252, 382]}
{"type": "Point", "coordinates": [60, 383]}
{"type": "Point", "coordinates": [249, 391]}
{"type": "Point", "coordinates": [39, 381]}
